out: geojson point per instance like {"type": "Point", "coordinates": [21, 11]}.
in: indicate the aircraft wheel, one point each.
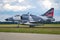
{"type": "Point", "coordinates": [31, 26]}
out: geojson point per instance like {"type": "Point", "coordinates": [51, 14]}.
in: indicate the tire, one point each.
{"type": "Point", "coordinates": [31, 26]}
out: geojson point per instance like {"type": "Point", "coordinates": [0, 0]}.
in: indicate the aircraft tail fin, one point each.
{"type": "Point", "coordinates": [49, 13]}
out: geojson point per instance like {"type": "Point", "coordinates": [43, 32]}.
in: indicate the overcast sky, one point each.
{"type": "Point", "coordinates": [10, 8]}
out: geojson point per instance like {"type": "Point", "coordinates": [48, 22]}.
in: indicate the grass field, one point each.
{"type": "Point", "coordinates": [44, 29]}
{"type": "Point", "coordinates": [15, 25]}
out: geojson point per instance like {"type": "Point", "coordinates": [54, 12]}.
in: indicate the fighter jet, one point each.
{"type": "Point", "coordinates": [33, 20]}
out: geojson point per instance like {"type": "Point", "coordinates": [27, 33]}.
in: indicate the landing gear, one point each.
{"type": "Point", "coordinates": [31, 26]}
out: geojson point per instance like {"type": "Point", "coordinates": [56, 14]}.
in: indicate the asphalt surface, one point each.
{"type": "Point", "coordinates": [28, 36]}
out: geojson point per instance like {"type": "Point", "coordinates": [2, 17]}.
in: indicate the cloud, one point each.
{"type": "Point", "coordinates": [17, 8]}
{"type": "Point", "coordinates": [20, 0]}
{"type": "Point", "coordinates": [57, 18]}
{"type": "Point", "coordinates": [56, 6]}
{"type": "Point", "coordinates": [16, 5]}
{"type": "Point", "coordinates": [8, 1]}
{"type": "Point", "coordinates": [0, 6]}
{"type": "Point", "coordinates": [11, 1]}
{"type": "Point", "coordinates": [47, 4]}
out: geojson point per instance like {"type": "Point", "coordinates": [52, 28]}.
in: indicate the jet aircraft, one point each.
{"type": "Point", "coordinates": [33, 20]}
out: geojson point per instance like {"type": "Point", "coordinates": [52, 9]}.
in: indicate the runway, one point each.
{"type": "Point", "coordinates": [28, 36]}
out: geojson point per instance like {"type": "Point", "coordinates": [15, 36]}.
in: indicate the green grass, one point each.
{"type": "Point", "coordinates": [45, 29]}
{"type": "Point", "coordinates": [32, 30]}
